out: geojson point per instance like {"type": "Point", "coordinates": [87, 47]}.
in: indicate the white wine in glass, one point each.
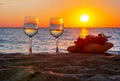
{"type": "Point", "coordinates": [30, 28]}
{"type": "Point", "coordinates": [56, 29]}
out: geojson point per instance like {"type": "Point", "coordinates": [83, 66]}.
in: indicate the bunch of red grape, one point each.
{"type": "Point", "coordinates": [99, 39]}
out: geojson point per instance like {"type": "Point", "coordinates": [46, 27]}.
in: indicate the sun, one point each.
{"type": "Point", "coordinates": [84, 18]}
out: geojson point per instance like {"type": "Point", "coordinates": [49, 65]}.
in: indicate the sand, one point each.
{"type": "Point", "coordinates": [59, 67]}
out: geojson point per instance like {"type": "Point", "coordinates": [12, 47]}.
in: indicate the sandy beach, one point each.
{"type": "Point", "coordinates": [60, 67]}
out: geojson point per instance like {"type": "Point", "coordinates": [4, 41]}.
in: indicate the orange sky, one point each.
{"type": "Point", "coordinates": [103, 13]}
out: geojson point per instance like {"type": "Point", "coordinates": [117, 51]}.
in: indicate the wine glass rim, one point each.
{"type": "Point", "coordinates": [55, 17]}
{"type": "Point", "coordinates": [31, 16]}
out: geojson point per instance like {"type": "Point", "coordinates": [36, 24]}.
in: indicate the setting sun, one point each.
{"type": "Point", "coordinates": [84, 18]}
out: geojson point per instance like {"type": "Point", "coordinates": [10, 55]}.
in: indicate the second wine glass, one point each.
{"type": "Point", "coordinates": [30, 28]}
{"type": "Point", "coordinates": [56, 29]}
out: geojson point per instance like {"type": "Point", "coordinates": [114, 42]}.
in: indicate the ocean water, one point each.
{"type": "Point", "coordinates": [13, 40]}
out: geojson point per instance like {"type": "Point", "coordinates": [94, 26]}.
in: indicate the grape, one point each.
{"type": "Point", "coordinates": [81, 42]}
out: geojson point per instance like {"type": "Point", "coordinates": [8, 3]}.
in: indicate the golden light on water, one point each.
{"type": "Point", "coordinates": [83, 32]}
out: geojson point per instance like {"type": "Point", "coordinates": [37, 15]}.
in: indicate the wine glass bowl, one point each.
{"type": "Point", "coordinates": [30, 28]}
{"type": "Point", "coordinates": [56, 29]}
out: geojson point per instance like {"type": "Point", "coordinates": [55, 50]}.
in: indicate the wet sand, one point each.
{"type": "Point", "coordinates": [59, 67]}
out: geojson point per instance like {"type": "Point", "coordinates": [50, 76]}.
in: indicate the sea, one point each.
{"type": "Point", "coordinates": [14, 40]}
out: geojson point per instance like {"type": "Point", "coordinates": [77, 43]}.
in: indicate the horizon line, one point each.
{"type": "Point", "coordinates": [65, 27]}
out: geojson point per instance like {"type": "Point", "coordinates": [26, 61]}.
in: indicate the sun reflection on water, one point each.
{"type": "Point", "coordinates": [84, 32]}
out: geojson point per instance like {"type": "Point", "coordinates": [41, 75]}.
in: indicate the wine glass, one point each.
{"type": "Point", "coordinates": [56, 29]}
{"type": "Point", "coordinates": [30, 28]}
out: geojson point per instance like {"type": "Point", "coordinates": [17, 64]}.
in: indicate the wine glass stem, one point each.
{"type": "Point", "coordinates": [57, 49]}
{"type": "Point", "coordinates": [30, 48]}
